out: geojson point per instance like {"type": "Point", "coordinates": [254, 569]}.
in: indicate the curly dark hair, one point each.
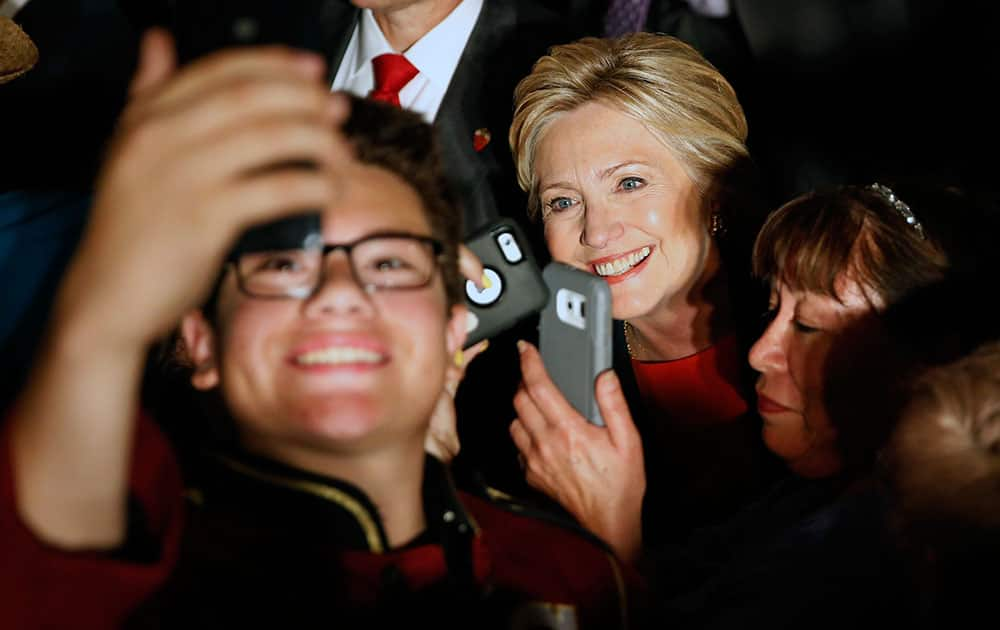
{"type": "Point", "coordinates": [401, 142]}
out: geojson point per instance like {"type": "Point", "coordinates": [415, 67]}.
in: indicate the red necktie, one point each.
{"type": "Point", "coordinates": [392, 72]}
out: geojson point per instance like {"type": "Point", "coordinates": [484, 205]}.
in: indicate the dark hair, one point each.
{"type": "Point", "coordinates": [815, 238]}
{"type": "Point", "coordinates": [401, 142]}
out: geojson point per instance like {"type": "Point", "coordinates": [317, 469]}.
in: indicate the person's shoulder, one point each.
{"type": "Point", "coordinates": [552, 559]}
{"type": "Point", "coordinates": [503, 516]}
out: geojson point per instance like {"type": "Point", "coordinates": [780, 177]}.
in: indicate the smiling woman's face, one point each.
{"type": "Point", "coordinates": [617, 203]}
{"type": "Point", "coordinates": [792, 358]}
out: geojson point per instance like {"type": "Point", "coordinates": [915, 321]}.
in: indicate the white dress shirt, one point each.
{"type": "Point", "coordinates": [435, 56]}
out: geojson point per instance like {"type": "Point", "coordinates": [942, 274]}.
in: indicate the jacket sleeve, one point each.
{"type": "Point", "coordinates": [45, 587]}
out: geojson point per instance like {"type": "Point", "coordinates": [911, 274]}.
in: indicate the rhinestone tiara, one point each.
{"type": "Point", "coordinates": [904, 210]}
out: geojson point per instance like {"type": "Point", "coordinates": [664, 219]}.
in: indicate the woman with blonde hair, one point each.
{"type": "Point", "coordinates": [633, 153]}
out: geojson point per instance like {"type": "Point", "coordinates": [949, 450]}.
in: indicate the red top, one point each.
{"type": "Point", "coordinates": [701, 389]}
{"type": "Point", "coordinates": [43, 587]}
{"type": "Point", "coordinates": [703, 449]}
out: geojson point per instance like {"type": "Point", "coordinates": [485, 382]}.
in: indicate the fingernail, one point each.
{"type": "Point", "coordinates": [487, 283]}
{"type": "Point", "coordinates": [609, 382]}
{"type": "Point", "coordinates": [459, 358]}
{"type": "Point", "coordinates": [522, 345]}
{"type": "Point", "coordinates": [484, 344]}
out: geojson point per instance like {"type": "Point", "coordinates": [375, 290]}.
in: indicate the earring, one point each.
{"type": "Point", "coordinates": [717, 226]}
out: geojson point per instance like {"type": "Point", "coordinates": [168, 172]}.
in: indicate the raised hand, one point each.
{"type": "Point", "coordinates": [191, 166]}
{"type": "Point", "coordinates": [442, 434]}
{"type": "Point", "coordinates": [189, 169]}
{"type": "Point", "coordinates": [596, 473]}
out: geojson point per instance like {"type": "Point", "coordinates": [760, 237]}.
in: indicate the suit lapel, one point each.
{"type": "Point", "coordinates": [469, 105]}
{"type": "Point", "coordinates": [337, 20]}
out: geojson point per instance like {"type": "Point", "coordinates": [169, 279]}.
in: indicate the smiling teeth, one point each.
{"type": "Point", "coordinates": [621, 265]}
{"type": "Point", "coordinates": [334, 356]}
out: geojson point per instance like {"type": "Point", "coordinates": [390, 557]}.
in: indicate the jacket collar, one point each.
{"type": "Point", "coordinates": [298, 501]}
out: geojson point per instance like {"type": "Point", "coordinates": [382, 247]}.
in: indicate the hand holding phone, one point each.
{"type": "Point", "coordinates": [575, 335]}
{"type": "Point", "coordinates": [514, 287]}
{"type": "Point", "coordinates": [201, 27]}
{"type": "Point", "coordinates": [591, 464]}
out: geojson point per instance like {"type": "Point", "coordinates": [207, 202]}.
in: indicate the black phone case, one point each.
{"type": "Point", "coordinates": [204, 26]}
{"type": "Point", "coordinates": [201, 27]}
{"type": "Point", "coordinates": [518, 289]}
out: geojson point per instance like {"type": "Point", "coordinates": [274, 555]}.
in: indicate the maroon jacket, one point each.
{"type": "Point", "coordinates": [260, 543]}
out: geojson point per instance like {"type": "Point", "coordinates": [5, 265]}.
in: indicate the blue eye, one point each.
{"type": "Point", "coordinates": [631, 183]}
{"type": "Point", "coordinates": [559, 204]}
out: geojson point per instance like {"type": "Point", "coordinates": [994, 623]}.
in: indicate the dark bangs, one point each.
{"type": "Point", "coordinates": [808, 242]}
{"type": "Point", "coordinates": [812, 240]}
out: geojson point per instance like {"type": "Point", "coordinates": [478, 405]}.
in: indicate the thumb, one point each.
{"type": "Point", "coordinates": [157, 61]}
{"type": "Point", "coordinates": [470, 266]}
{"type": "Point", "coordinates": [614, 409]}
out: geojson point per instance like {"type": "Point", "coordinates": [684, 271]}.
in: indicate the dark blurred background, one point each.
{"type": "Point", "coordinates": [835, 90]}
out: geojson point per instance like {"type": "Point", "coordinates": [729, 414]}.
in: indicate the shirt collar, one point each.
{"type": "Point", "coordinates": [371, 41]}
{"type": "Point", "coordinates": [435, 54]}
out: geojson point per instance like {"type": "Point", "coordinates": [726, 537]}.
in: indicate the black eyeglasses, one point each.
{"type": "Point", "coordinates": [380, 261]}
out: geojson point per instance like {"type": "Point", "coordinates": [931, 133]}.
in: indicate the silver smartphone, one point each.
{"type": "Point", "coordinates": [575, 335]}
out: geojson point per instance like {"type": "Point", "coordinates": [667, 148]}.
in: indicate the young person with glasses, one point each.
{"type": "Point", "coordinates": [328, 361]}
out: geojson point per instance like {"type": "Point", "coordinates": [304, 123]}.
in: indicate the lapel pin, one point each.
{"type": "Point", "coordinates": [480, 139]}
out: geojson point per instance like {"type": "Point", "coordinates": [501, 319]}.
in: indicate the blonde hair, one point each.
{"type": "Point", "coordinates": [658, 80]}
{"type": "Point", "coordinates": [944, 456]}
